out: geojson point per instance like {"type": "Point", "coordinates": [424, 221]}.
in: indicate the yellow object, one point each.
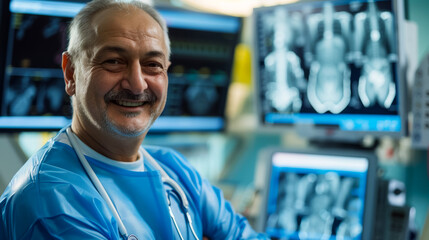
{"type": "Point", "coordinates": [242, 66]}
{"type": "Point", "coordinates": [241, 83]}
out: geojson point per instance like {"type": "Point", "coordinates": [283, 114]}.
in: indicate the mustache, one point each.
{"type": "Point", "coordinates": [146, 96]}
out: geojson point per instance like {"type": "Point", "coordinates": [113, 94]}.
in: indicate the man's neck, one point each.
{"type": "Point", "coordinates": [118, 148]}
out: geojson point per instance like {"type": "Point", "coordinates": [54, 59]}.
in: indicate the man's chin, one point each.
{"type": "Point", "coordinates": [131, 126]}
{"type": "Point", "coordinates": [128, 130]}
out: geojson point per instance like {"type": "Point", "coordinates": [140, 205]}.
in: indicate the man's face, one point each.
{"type": "Point", "coordinates": [122, 86]}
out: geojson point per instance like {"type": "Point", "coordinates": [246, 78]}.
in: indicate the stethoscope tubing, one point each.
{"type": "Point", "coordinates": [94, 179]}
{"type": "Point", "coordinates": [102, 191]}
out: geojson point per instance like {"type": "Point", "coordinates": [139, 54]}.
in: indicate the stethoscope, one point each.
{"type": "Point", "coordinates": [164, 177]}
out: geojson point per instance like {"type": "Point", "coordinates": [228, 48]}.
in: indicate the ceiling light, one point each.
{"type": "Point", "coordinates": [241, 8]}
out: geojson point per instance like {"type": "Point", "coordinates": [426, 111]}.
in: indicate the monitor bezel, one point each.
{"type": "Point", "coordinates": [319, 132]}
{"type": "Point", "coordinates": [266, 164]}
{"type": "Point", "coordinates": [164, 124]}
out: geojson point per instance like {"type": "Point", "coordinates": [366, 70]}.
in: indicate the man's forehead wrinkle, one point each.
{"type": "Point", "coordinates": [111, 28]}
{"type": "Point", "coordinates": [131, 34]}
{"type": "Point", "coordinates": [121, 14]}
{"type": "Point", "coordinates": [108, 28]}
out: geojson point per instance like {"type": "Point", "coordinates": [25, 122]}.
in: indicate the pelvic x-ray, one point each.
{"type": "Point", "coordinates": [328, 57]}
{"type": "Point", "coordinates": [317, 206]}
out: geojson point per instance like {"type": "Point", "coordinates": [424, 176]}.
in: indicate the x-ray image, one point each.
{"type": "Point", "coordinates": [374, 44]}
{"type": "Point", "coordinates": [19, 99]}
{"type": "Point", "coordinates": [329, 78]}
{"type": "Point", "coordinates": [327, 57]}
{"type": "Point", "coordinates": [283, 66]}
{"type": "Point", "coordinates": [201, 98]}
{"type": "Point", "coordinates": [33, 83]}
{"type": "Point", "coordinates": [36, 96]}
{"type": "Point", "coordinates": [317, 206]}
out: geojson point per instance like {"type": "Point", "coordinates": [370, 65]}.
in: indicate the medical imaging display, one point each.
{"type": "Point", "coordinates": [33, 95]}
{"type": "Point", "coordinates": [329, 63]}
{"type": "Point", "coordinates": [317, 206]}
{"type": "Point", "coordinates": [200, 72]}
{"type": "Point", "coordinates": [33, 83]}
{"type": "Point", "coordinates": [320, 199]}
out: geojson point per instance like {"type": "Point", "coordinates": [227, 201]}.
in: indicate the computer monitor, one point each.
{"type": "Point", "coordinates": [318, 194]}
{"type": "Point", "coordinates": [32, 96]}
{"type": "Point", "coordinates": [331, 69]}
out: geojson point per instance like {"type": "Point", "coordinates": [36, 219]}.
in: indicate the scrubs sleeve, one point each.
{"type": "Point", "coordinates": [220, 221]}
{"type": "Point", "coordinates": [64, 212]}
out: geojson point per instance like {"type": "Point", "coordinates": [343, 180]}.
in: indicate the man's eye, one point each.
{"type": "Point", "coordinates": [155, 65]}
{"type": "Point", "coordinates": [153, 68]}
{"type": "Point", "coordinates": [113, 65]}
{"type": "Point", "coordinates": [112, 61]}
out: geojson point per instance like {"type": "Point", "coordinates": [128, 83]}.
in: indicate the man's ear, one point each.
{"type": "Point", "coordinates": [168, 65]}
{"type": "Point", "coordinates": [68, 71]}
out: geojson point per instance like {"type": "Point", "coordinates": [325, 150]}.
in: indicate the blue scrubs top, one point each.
{"type": "Point", "coordinates": [51, 196]}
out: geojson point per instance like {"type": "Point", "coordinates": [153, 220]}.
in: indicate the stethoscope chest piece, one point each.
{"type": "Point", "coordinates": [132, 237]}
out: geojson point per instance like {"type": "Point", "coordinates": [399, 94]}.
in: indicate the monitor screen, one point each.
{"type": "Point", "coordinates": [331, 68]}
{"type": "Point", "coordinates": [32, 95]}
{"type": "Point", "coordinates": [319, 195]}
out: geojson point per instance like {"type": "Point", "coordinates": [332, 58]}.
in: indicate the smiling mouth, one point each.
{"type": "Point", "coordinates": [125, 98]}
{"type": "Point", "coordinates": [129, 104]}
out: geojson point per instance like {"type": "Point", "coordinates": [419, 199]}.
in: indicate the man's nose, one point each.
{"type": "Point", "coordinates": [135, 80]}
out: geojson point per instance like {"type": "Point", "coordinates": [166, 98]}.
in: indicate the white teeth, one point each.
{"type": "Point", "coordinates": [130, 104]}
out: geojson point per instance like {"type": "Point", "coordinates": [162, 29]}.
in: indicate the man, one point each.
{"type": "Point", "coordinates": [94, 180]}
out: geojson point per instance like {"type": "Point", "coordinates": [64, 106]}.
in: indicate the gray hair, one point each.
{"type": "Point", "coordinates": [81, 33]}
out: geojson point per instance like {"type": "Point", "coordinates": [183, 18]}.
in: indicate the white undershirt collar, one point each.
{"type": "Point", "coordinates": [137, 166]}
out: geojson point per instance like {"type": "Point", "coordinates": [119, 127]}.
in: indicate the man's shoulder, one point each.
{"type": "Point", "coordinates": [156, 149]}
{"type": "Point", "coordinates": [52, 165]}
{"type": "Point", "coordinates": [166, 155]}
{"type": "Point", "coordinates": [49, 184]}
{"type": "Point", "coordinates": [177, 167]}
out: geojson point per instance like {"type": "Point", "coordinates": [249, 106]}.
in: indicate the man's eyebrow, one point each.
{"type": "Point", "coordinates": [117, 49]}
{"type": "Point", "coordinates": [112, 49]}
{"type": "Point", "coordinates": [155, 54]}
